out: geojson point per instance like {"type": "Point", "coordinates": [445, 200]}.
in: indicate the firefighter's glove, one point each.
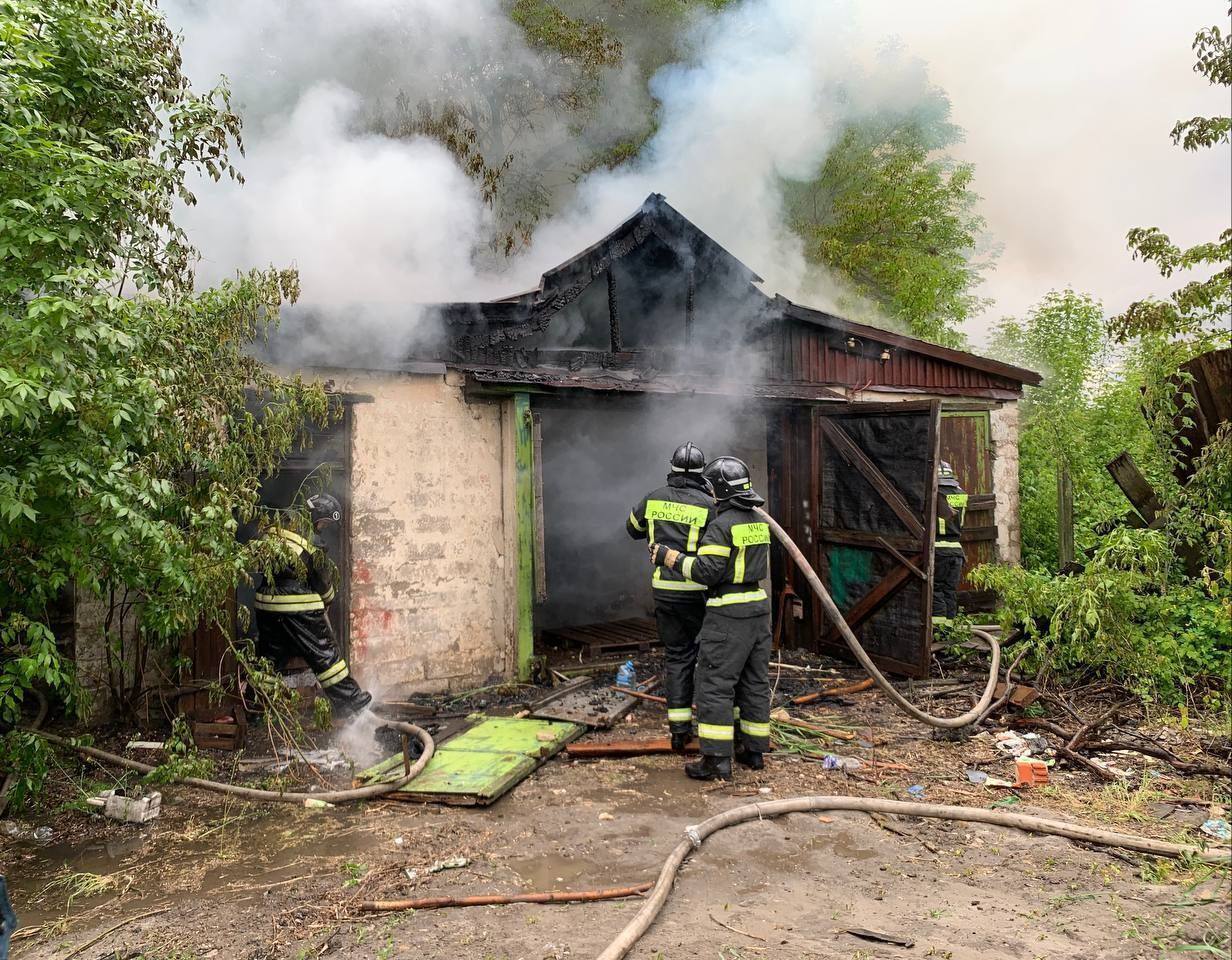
{"type": "Point", "coordinates": [663, 556]}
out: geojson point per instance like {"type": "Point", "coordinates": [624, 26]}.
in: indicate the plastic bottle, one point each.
{"type": "Point", "coordinates": [43, 834]}
{"type": "Point", "coordinates": [626, 676]}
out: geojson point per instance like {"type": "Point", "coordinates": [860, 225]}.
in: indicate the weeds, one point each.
{"type": "Point", "coordinates": [75, 885]}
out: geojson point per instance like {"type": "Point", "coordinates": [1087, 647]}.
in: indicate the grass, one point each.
{"type": "Point", "coordinates": [74, 885]}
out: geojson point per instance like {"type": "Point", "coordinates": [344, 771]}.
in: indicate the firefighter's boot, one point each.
{"type": "Point", "coordinates": [710, 768]}
{"type": "Point", "coordinates": [752, 759]}
{"type": "Point", "coordinates": [682, 733]}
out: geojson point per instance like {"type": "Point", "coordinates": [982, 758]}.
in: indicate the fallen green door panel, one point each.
{"type": "Point", "coordinates": [482, 764]}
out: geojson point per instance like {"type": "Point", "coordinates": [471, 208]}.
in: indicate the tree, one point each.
{"type": "Point", "coordinates": [1202, 306]}
{"type": "Point", "coordinates": [128, 456]}
{"type": "Point", "coordinates": [895, 217]}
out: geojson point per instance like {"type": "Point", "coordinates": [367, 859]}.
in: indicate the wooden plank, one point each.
{"type": "Point", "coordinates": [541, 574]}
{"type": "Point", "coordinates": [850, 452]}
{"type": "Point", "coordinates": [1134, 485]}
{"type": "Point", "coordinates": [978, 534]}
{"type": "Point", "coordinates": [873, 541]}
{"type": "Point", "coordinates": [524, 503]}
{"type": "Point", "coordinates": [873, 601]}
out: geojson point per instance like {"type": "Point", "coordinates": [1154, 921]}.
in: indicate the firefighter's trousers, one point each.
{"type": "Point", "coordinates": [733, 683]}
{"type": "Point", "coordinates": [679, 619]}
{"type": "Point", "coordinates": [947, 572]}
{"type": "Point", "coordinates": [307, 634]}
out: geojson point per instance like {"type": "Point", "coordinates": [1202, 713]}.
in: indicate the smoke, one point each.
{"type": "Point", "coordinates": [376, 225]}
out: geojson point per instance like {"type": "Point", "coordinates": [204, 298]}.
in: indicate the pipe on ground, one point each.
{"type": "Point", "coordinates": [273, 796]}
{"type": "Point", "coordinates": [836, 616]}
{"type": "Point", "coordinates": [695, 835]}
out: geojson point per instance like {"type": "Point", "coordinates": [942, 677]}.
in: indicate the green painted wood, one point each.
{"type": "Point", "coordinates": [524, 502]}
{"type": "Point", "coordinates": [513, 735]}
{"type": "Point", "coordinates": [482, 764]}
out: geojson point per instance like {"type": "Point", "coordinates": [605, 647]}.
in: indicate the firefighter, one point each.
{"type": "Point", "coordinates": [291, 611]}
{"type": "Point", "coordinates": [674, 516]}
{"type": "Point", "coordinates": [733, 666]}
{"type": "Point", "coordinates": [948, 555]}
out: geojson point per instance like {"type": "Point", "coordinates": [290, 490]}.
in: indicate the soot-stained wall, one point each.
{"type": "Point", "coordinates": [432, 557]}
{"type": "Point", "coordinates": [599, 459]}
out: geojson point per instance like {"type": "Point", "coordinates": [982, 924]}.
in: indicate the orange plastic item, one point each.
{"type": "Point", "coordinates": [1031, 773]}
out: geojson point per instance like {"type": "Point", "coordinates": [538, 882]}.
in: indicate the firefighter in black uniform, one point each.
{"type": "Point", "coordinates": [291, 617]}
{"type": "Point", "coordinates": [733, 666]}
{"type": "Point", "coordinates": [674, 516]}
{"type": "Point", "coordinates": [948, 554]}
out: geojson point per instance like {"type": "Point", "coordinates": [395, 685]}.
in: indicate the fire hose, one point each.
{"type": "Point", "coordinates": [412, 770]}
{"type": "Point", "coordinates": [694, 836]}
{"type": "Point", "coordinates": [836, 617]}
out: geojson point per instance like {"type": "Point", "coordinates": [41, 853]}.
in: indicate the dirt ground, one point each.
{"type": "Point", "coordinates": [219, 879]}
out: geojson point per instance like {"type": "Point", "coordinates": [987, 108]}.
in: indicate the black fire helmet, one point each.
{"type": "Point", "coordinates": [946, 478]}
{"type": "Point", "coordinates": [729, 477]}
{"type": "Point", "coordinates": [324, 506]}
{"type": "Point", "coordinates": [688, 458]}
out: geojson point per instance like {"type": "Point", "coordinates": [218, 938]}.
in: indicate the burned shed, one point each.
{"type": "Point", "coordinates": [489, 476]}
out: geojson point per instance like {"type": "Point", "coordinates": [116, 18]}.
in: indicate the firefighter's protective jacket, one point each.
{"type": "Point", "coordinates": [293, 591]}
{"type": "Point", "coordinates": [674, 515]}
{"type": "Point", "coordinates": [732, 560]}
{"type": "Point", "coordinates": [949, 529]}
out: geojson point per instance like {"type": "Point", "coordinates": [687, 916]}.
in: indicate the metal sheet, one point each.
{"type": "Point", "coordinates": [586, 704]}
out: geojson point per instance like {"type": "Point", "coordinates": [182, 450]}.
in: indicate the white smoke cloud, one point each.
{"type": "Point", "coordinates": [1066, 111]}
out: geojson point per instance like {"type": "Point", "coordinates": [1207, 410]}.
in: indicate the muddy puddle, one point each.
{"type": "Point", "coordinates": [166, 863]}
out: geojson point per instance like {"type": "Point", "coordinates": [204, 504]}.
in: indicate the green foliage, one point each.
{"type": "Point", "coordinates": [322, 713]}
{"type": "Point", "coordinates": [128, 456]}
{"type": "Point", "coordinates": [1203, 304]}
{"type": "Point", "coordinates": [895, 217]}
{"type": "Point", "coordinates": [183, 758]}
{"type": "Point", "coordinates": [1120, 617]}
{"type": "Point", "coordinates": [27, 759]}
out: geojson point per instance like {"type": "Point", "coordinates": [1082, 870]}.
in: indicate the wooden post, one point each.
{"type": "Point", "coordinates": [613, 310]}
{"type": "Point", "coordinates": [541, 573]}
{"type": "Point", "coordinates": [1065, 516]}
{"type": "Point", "coordinates": [524, 502]}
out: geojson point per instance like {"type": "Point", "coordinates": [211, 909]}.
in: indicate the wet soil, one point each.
{"type": "Point", "coordinates": [231, 879]}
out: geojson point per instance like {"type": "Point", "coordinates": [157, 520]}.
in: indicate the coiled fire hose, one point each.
{"type": "Point", "coordinates": [276, 796]}
{"type": "Point", "coordinates": [836, 617]}
{"type": "Point", "coordinates": [773, 808]}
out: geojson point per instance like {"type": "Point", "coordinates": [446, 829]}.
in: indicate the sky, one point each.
{"type": "Point", "coordinates": [1068, 109]}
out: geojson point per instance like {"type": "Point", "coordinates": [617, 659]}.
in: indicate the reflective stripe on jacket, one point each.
{"type": "Point", "coordinates": [674, 515]}
{"type": "Point", "coordinates": [949, 531]}
{"type": "Point", "coordinates": [289, 590]}
{"type": "Point", "coordinates": [732, 561]}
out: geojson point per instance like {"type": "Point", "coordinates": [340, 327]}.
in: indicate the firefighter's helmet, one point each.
{"type": "Point", "coordinates": [688, 458]}
{"type": "Point", "coordinates": [324, 506]}
{"type": "Point", "coordinates": [729, 478]}
{"type": "Point", "coordinates": [946, 477]}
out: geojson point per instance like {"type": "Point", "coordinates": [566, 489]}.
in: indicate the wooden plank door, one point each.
{"type": "Point", "coordinates": [966, 443]}
{"type": "Point", "coordinates": [875, 525]}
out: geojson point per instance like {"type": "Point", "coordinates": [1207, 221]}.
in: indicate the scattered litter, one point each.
{"type": "Point", "coordinates": [606, 816]}
{"type": "Point", "coordinates": [916, 792]}
{"type": "Point", "coordinates": [312, 803]}
{"type": "Point", "coordinates": [822, 819]}
{"type": "Point", "coordinates": [42, 834]}
{"type": "Point", "coordinates": [832, 761]}
{"type": "Point", "coordinates": [1030, 773]}
{"type": "Point", "coordinates": [977, 776]}
{"type": "Point", "coordinates": [15, 831]}
{"type": "Point", "coordinates": [626, 676]}
{"type": "Point", "coordinates": [881, 937]}
{"type": "Point", "coordinates": [1217, 828]}
{"type": "Point", "coordinates": [1011, 744]}
{"type": "Point", "coordinates": [453, 863]}
{"type": "Point", "coordinates": [997, 782]}
{"type": "Point", "coordinates": [763, 790]}
{"type": "Point", "coordinates": [325, 761]}
{"type": "Point", "coordinates": [410, 874]}
{"type": "Point", "coordinates": [145, 745]}
{"type": "Point", "coordinates": [1007, 801]}
{"type": "Point", "coordinates": [117, 805]}
{"type": "Point", "coordinates": [399, 842]}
